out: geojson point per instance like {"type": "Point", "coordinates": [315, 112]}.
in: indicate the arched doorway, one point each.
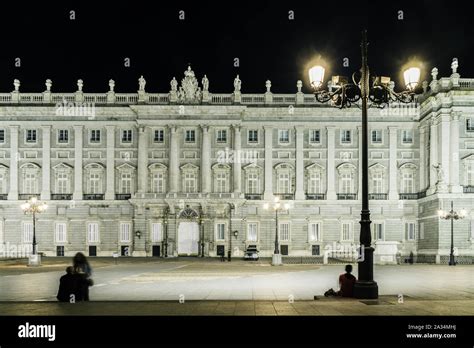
{"type": "Point", "coordinates": [188, 233]}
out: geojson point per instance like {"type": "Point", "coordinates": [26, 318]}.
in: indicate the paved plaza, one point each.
{"type": "Point", "coordinates": [208, 286]}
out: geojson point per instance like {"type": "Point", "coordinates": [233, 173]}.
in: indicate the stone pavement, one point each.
{"type": "Point", "coordinates": [385, 305]}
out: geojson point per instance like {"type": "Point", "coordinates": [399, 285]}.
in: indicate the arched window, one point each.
{"type": "Point", "coordinates": [126, 175]}
{"type": "Point", "coordinates": [252, 179]}
{"type": "Point", "coordinates": [377, 178]}
{"type": "Point", "coordinates": [407, 176]}
{"type": "Point", "coordinates": [347, 178]}
{"type": "Point", "coordinates": [62, 179]}
{"type": "Point", "coordinates": [94, 178]}
{"type": "Point", "coordinates": [30, 173]}
{"type": "Point", "coordinates": [158, 174]}
{"type": "Point", "coordinates": [3, 179]}
{"type": "Point", "coordinates": [468, 162]}
{"type": "Point", "coordinates": [314, 179]}
{"type": "Point", "coordinates": [221, 177]}
{"type": "Point", "coordinates": [189, 175]}
{"type": "Point", "coordinates": [284, 177]}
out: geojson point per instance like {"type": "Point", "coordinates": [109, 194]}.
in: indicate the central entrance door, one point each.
{"type": "Point", "coordinates": [188, 238]}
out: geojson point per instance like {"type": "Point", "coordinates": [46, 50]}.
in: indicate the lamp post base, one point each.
{"type": "Point", "coordinates": [366, 290]}
{"type": "Point", "coordinates": [34, 260]}
{"type": "Point", "coordinates": [452, 262]}
{"type": "Point", "coordinates": [277, 260]}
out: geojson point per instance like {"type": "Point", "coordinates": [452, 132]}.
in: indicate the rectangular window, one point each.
{"type": "Point", "coordinates": [284, 183]}
{"type": "Point", "coordinates": [158, 183]}
{"type": "Point", "coordinates": [63, 136]}
{"type": "Point", "coordinates": [126, 183]}
{"type": "Point", "coordinates": [31, 135]}
{"type": "Point", "coordinates": [190, 136]}
{"type": "Point", "coordinates": [95, 136]}
{"type": "Point", "coordinates": [60, 232]}
{"type": "Point", "coordinates": [220, 231]}
{"type": "Point", "coordinates": [159, 136]}
{"type": "Point", "coordinates": [314, 184]}
{"type": "Point", "coordinates": [284, 136]}
{"type": "Point", "coordinates": [27, 232]}
{"type": "Point", "coordinates": [422, 230]}
{"type": "Point", "coordinates": [284, 230]}
{"type": "Point", "coordinates": [407, 136]}
{"type": "Point", "coordinates": [156, 232]}
{"type": "Point", "coordinates": [63, 183]}
{"type": "Point", "coordinates": [314, 136]}
{"type": "Point", "coordinates": [252, 183]}
{"type": "Point", "coordinates": [314, 233]}
{"type": "Point", "coordinates": [377, 183]}
{"type": "Point", "coordinates": [95, 183]}
{"type": "Point", "coordinates": [345, 136]}
{"type": "Point", "coordinates": [470, 173]}
{"type": "Point", "coordinates": [346, 183]}
{"type": "Point", "coordinates": [408, 183]}
{"type": "Point", "coordinates": [378, 231]}
{"type": "Point", "coordinates": [189, 183]}
{"type": "Point", "coordinates": [2, 135]}
{"type": "Point", "coordinates": [30, 183]}
{"type": "Point", "coordinates": [252, 232]}
{"type": "Point", "coordinates": [347, 231]}
{"type": "Point", "coordinates": [221, 136]}
{"type": "Point", "coordinates": [376, 137]}
{"type": "Point", "coordinates": [125, 232]}
{"type": "Point", "coordinates": [126, 136]}
{"type": "Point", "coordinates": [253, 136]}
{"type": "Point", "coordinates": [469, 124]}
{"type": "Point", "coordinates": [221, 182]}
{"type": "Point", "coordinates": [93, 232]}
{"type": "Point", "coordinates": [410, 230]}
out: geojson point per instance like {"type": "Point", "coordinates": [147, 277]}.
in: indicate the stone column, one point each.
{"type": "Point", "coordinates": [359, 136]}
{"type": "Point", "coordinates": [142, 168]}
{"type": "Point", "coordinates": [433, 154]}
{"type": "Point", "coordinates": [422, 159]}
{"type": "Point", "coordinates": [78, 139]}
{"type": "Point", "coordinates": [237, 166]}
{"type": "Point", "coordinates": [173, 160]}
{"type": "Point", "coordinates": [46, 168]}
{"type": "Point", "coordinates": [110, 170]}
{"type": "Point", "coordinates": [331, 169]}
{"type": "Point", "coordinates": [445, 146]}
{"type": "Point", "coordinates": [268, 192]}
{"type": "Point", "coordinates": [393, 170]}
{"type": "Point", "coordinates": [205, 160]}
{"type": "Point", "coordinates": [14, 157]}
{"type": "Point", "coordinates": [299, 192]}
{"type": "Point", "coordinates": [454, 158]}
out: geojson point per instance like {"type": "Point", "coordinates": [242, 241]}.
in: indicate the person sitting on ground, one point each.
{"type": "Point", "coordinates": [82, 267]}
{"type": "Point", "coordinates": [346, 284]}
{"type": "Point", "coordinates": [69, 286]}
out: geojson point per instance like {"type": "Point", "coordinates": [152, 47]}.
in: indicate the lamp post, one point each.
{"type": "Point", "coordinates": [229, 252]}
{"type": "Point", "coordinates": [165, 226]}
{"type": "Point", "coordinates": [452, 215]}
{"type": "Point", "coordinates": [379, 92]}
{"type": "Point", "coordinates": [34, 207]}
{"type": "Point", "coordinates": [201, 231]}
{"type": "Point", "coordinates": [277, 207]}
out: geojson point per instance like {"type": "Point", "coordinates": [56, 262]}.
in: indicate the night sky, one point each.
{"type": "Point", "coordinates": [269, 45]}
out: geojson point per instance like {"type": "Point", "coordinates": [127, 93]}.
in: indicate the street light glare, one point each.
{"type": "Point", "coordinates": [316, 76]}
{"type": "Point", "coordinates": [412, 77]}
{"type": "Point", "coordinates": [265, 206]}
{"type": "Point", "coordinates": [440, 213]}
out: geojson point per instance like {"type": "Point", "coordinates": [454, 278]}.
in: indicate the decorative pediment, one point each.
{"type": "Point", "coordinates": [3, 168]}
{"type": "Point", "coordinates": [220, 166]}
{"type": "Point", "coordinates": [94, 166]}
{"type": "Point", "coordinates": [469, 157]}
{"type": "Point", "coordinates": [377, 167]}
{"type": "Point", "coordinates": [315, 167]}
{"type": "Point", "coordinates": [188, 213]}
{"type": "Point", "coordinates": [252, 166]}
{"type": "Point", "coordinates": [63, 167]}
{"type": "Point", "coordinates": [157, 167]}
{"type": "Point", "coordinates": [30, 165]}
{"type": "Point", "coordinates": [284, 166]}
{"type": "Point", "coordinates": [126, 167]}
{"type": "Point", "coordinates": [189, 167]}
{"type": "Point", "coordinates": [408, 166]}
{"type": "Point", "coordinates": [346, 167]}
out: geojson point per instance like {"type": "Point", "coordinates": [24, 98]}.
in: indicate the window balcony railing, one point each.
{"type": "Point", "coordinates": [61, 196]}
{"type": "Point", "coordinates": [221, 195]}
{"type": "Point", "coordinates": [3, 196]}
{"type": "Point", "coordinates": [316, 196]}
{"type": "Point", "coordinates": [409, 196]}
{"type": "Point", "coordinates": [253, 196]}
{"type": "Point", "coordinates": [285, 196]}
{"type": "Point", "coordinates": [26, 196]}
{"type": "Point", "coordinates": [93, 196]}
{"type": "Point", "coordinates": [123, 196]}
{"type": "Point", "coordinates": [378, 196]}
{"type": "Point", "coordinates": [346, 196]}
{"type": "Point", "coordinates": [468, 189]}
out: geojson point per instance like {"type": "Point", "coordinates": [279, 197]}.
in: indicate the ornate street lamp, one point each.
{"type": "Point", "coordinates": [452, 215]}
{"type": "Point", "coordinates": [34, 207]}
{"type": "Point", "coordinates": [379, 92]}
{"type": "Point", "coordinates": [165, 226]}
{"type": "Point", "coordinates": [229, 252]}
{"type": "Point", "coordinates": [277, 207]}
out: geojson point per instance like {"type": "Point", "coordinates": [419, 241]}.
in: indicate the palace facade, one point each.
{"type": "Point", "coordinates": [189, 171]}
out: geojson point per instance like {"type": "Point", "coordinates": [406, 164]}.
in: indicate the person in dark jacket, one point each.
{"type": "Point", "coordinates": [346, 284]}
{"type": "Point", "coordinates": [70, 286]}
{"type": "Point", "coordinates": [81, 267]}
